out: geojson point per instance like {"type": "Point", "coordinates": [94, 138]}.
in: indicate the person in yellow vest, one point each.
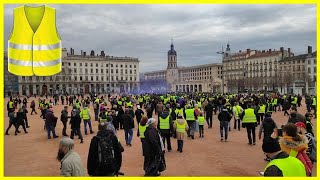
{"type": "Point", "coordinates": [85, 115]}
{"type": "Point", "coordinates": [141, 129]}
{"type": "Point", "coordinates": [275, 104]}
{"type": "Point", "coordinates": [281, 163]}
{"type": "Point", "coordinates": [140, 99]}
{"type": "Point", "coordinates": [249, 121]}
{"type": "Point", "coordinates": [190, 116]}
{"type": "Point", "coordinates": [261, 112]}
{"type": "Point", "coordinates": [314, 106]}
{"type": "Point", "coordinates": [201, 124]}
{"type": "Point", "coordinates": [181, 127]}
{"type": "Point", "coordinates": [128, 104]}
{"type": "Point", "coordinates": [103, 116]}
{"type": "Point", "coordinates": [165, 127]}
{"type": "Point", "coordinates": [237, 111]}
{"type": "Point", "coordinates": [10, 106]}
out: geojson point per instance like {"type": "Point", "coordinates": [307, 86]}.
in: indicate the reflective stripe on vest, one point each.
{"type": "Point", "coordinates": [190, 115]}
{"type": "Point", "coordinates": [164, 123]}
{"type": "Point", "coordinates": [142, 129]}
{"type": "Point", "coordinates": [262, 109]}
{"type": "Point", "coordinates": [249, 116]}
{"type": "Point", "coordinates": [181, 127]}
{"type": "Point", "coordinates": [289, 166]}
{"type": "Point", "coordinates": [85, 114]}
{"type": "Point", "coordinates": [201, 120]}
{"type": "Point", "coordinates": [34, 46]}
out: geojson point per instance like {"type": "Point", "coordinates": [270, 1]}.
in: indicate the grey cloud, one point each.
{"type": "Point", "coordinates": [199, 31]}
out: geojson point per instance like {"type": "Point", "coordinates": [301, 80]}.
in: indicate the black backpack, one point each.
{"type": "Point", "coordinates": [106, 155]}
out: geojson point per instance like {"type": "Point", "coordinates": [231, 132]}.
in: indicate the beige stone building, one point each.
{"type": "Point", "coordinates": [252, 69]}
{"type": "Point", "coordinates": [200, 78]}
{"type": "Point", "coordinates": [86, 73]}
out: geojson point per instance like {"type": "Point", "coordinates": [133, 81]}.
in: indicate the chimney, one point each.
{"type": "Point", "coordinates": [269, 50]}
{"type": "Point", "coordinates": [92, 53]}
{"type": "Point", "coordinates": [84, 53]}
{"type": "Point", "coordinates": [239, 51]}
{"type": "Point", "coordinates": [81, 53]}
{"type": "Point", "coordinates": [281, 49]}
{"type": "Point", "coordinates": [102, 53]}
{"type": "Point", "coordinates": [248, 51]}
{"type": "Point", "coordinates": [263, 51]}
{"type": "Point", "coordinates": [289, 52]}
{"type": "Point", "coordinates": [70, 51]}
{"type": "Point", "coordinates": [309, 49]}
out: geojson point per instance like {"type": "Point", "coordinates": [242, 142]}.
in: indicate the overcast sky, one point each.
{"type": "Point", "coordinates": [198, 31]}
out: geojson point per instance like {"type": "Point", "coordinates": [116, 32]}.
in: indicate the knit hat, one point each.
{"type": "Point", "coordinates": [67, 142]}
{"type": "Point", "coordinates": [270, 145]}
{"type": "Point", "coordinates": [151, 121]}
{"type": "Point", "coordinates": [301, 124]}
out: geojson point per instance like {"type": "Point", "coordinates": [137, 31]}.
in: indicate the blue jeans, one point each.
{"type": "Point", "coordinates": [128, 135]}
{"type": "Point", "coordinates": [224, 125]}
{"type": "Point", "coordinates": [85, 126]}
{"type": "Point", "coordinates": [49, 129]}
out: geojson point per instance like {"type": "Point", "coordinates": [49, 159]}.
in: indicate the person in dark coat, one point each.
{"type": "Point", "coordinates": [33, 107]}
{"type": "Point", "coordinates": [93, 155]}
{"type": "Point", "coordinates": [25, 112]}
{"type": "Point", "coordinates": [75, 122]}
{"type": "Point", "coordinates": [20, 120]}
{"type": "Point", "coordinates": [12, 121]}
{"type": "Point", "coordinates": [138, 113]}
{"type": "Point", "coordinates": [224, 118]}
{"type": "Point", "coordinates": [128, 125]}
{"type": "Point", "coordinates": [208, 110]}
{"type": "Point", "coordinates": [119, 117]}
{"type": "Point", "coordinates": [149, 111]}
{"type": "Point", "coordinates": [153, 145]}
{"type": "Point", "coordinates": [50, 123]}
{"type": "Point", "coordinates": [268, 127]}
{"type": "Point", "coordinates": [64, 119]}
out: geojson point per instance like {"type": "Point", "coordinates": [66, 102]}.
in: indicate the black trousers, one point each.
{"type": "Point", "coordinates": [201, 130]}
{"type": "Point", "coordinates": [251, 132]}
{"type": "Point", "coordinates": [209, 120]}
{"type": "Point", "coordinates": [76, 131]}
{"type": "Point", "coordinates": [180, 145]}
{"type": "Point", "coordinates": [235, 124]}
{"type": "Point", "coordinates": [260, 118]}
{"type": "Point", "coordinates": [64, 128]}
{"type": "Point", "coordinates": [23, 126]}
{"type": "Point", "coordinates": [10, 124]}
{"type": "Point", "coordinates": [166, 136]}
{"type": "Point", "coordinates": [33, 110]}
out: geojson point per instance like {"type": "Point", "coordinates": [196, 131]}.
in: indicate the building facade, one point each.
{"type": "Point", "coordinates": [311, 72]}
{"type": "Point", "coordinates": [252, 69]}
{"type": "Point", "coordinates": [86, 73]}
{"type": "Point", "coordinates": [11, 84]}
{"type": "Point", "coordinates": [202, 78]}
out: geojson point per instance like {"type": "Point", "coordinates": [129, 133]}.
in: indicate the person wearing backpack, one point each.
{"type": "Point", "coordinates": [104, 157]}
{"type": "Point", "coordinates": [312, 148]}
{"type": "Point", "coordinates": [281, 163]}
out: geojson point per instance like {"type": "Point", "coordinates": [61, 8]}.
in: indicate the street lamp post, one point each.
{"type": "Point", "coordinates": [222, 55]}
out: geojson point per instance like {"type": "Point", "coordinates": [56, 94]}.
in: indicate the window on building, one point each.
{"type": "Point", "coordinates": [314, 61]}
{"type": "Point", "coordinates": [80, 64]}
{"type": "Point", "coordinates": [134, 66]}
{"type": "Point", "coordinates": [75, 70]}
{"type": "Point", "coordinates": [101, 70]}
{"type": "Point", "coordinates": [86, 64]}
{"type": "Point", "coordinates": [91, 70]}
{"type": "Point", "coordinates": [130, 78]}
{"type": "Point", "coordinates": [116, 71]}
{"type": "Point", "coordinates": [86, 70]}
{"type": "Point", "coordinates": [97, 78]}
{"type": "Point", "coordinates": [74, 64]}
{"type": "Point", "coordinates": [121, 65]}
{"type": "Point", "coordinates": [97, 71]}
{"type": "Point", "coordinates": [315, 70]}
{"type": "Point", "coordinates": [91, 65]}
{"type": "Point", "coordinates": [91, 78]}
{"type": "Point", "coordinates": [130, 66]}
{"type": "Point", "coordinates": [112, 71]}
{"type": "Point", "coordinates": [309, 70]}
{"type": "Point", "coordinates": [63, 78]}
{"type": "Point", "coordinates": [96, 64]}
{"type": "Point", "coordinates": [111, 65]}
{"type": "Point", "coordinates": [101, 78]}
{"type": "Point", "coordinates": [125, 66]}
{"type": "Point", "coordinates": [51, 78]}
{"type": "Point", "coordinates": [80, 78]}
{"type": "Point", "coordinates": [126, 71]}
{"type": "Point", "coordinates": [63, 64]}
{"type": "Point", "coordinates": [69, 64]}
{"type": "Point", "coordinates": [75, 78]}
{"type": "Point", "coordinates": [86, 78]}
{"type": "Point", "coordinates": [135, 78]}
{"type": "Point", "coordinates": [107, 71]}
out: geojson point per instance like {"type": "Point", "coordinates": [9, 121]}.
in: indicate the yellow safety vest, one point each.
{"type": "Point", "coordinates": [129, 104]}
{"type": "Point", "coordinates": [142, 129]}
{"type": "Point", "coordinates": [201, 120]}
{"type": "Point", "coordinates": [104, 120]}
{"type": "Point", "coordinates": [164, 123]}
{"type": "Point", "coordinates": [181, 127]}
{"type": "Point", "coordinates": [199, 105]}
{"type": "Point", "coordinates": [84, 114]}
{"type": "Point", "coordinates": [190, 115]}
{"type": "Point", "coordinates": [262, 109]}
{"type": "Point", "coordinates": [314, 101]}
{"type": "Point", "coordinates": [10, 105]}
{"type": "Point", "coordinates": [249, 116]}
{"type": "Point", "coordinates": [141, 100]}
{"type": "Point", "coordinates": [34, 46]}
{"type": "Point", "coordinates": [289, 166]}
{"type": "Point", "coordinates": [237, 110]}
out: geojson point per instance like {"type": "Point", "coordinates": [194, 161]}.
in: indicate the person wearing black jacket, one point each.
{"type": "Point", "coordinates": [166, 128]}
{"type": "Point", "coordinates": [224, 118]}
{"type": "Point", "coordinates": [50, 123]}
{"type": "Point", "coordinates": [268, 127]}
{"type": "Point", "coordinates": [149, 111]}
{"type": "Point", "coordinates": [209, 109]}
{"type": "Point", "coordinates": [119, 117]}
{"type": "Point", "coordinates": [128, 125]}
{"type": "Point", "coordinates": [138, 113]}
{"type": "Point", "coordinates": [153, 147]}
{"type": "Point", "coordinates": [64, 119]}
{"type": "Point", "coordinates": [25, 112]}
{"type": "Point", "coordinates": [75, 122]}
{"type": "Point", "coordinates": [20, 120]}
{"type": "Point", "coordinates": [93, 155]}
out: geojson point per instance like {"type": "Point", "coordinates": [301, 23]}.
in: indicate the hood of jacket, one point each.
{"type": "Point", "coordinates": [164, 114]}
{"type": "Point", "coordinates": [288, 142]}
{"type": "Point", "coordinates": [180, 120]}
{"type": "Point", "coordinates": [268, 119]}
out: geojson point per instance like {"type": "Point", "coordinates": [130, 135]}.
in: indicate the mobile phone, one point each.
{"type": "Point", "coordinates": [261, 173]}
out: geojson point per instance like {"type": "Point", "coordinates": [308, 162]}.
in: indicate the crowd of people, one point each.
{"type": "Point", "coordinates": [289, 148]}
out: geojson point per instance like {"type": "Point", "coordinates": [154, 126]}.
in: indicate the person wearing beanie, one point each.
{"type": "Point", "coordinates": [71, 164]}
{"type": "Point", "coordinates": [154, 147]}
{"type": "Point", "coordinates": [181, 127]}
{"type": "Point", "coordinates": [268, 127]}
{"type": "Point", "coordinates": [281, 163]}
